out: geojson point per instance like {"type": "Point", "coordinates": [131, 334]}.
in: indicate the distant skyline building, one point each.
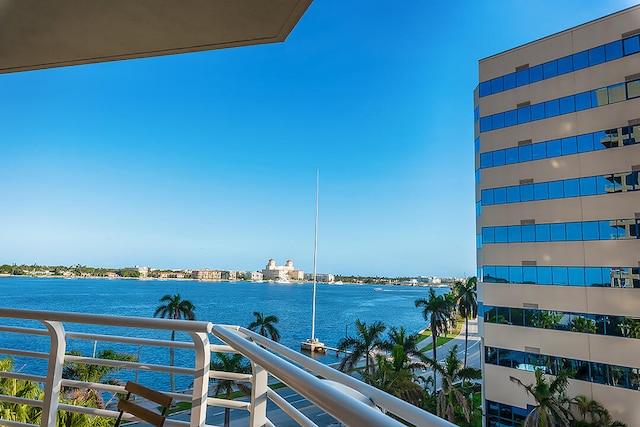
{"type": "Point", "coordinates": [557, 143]}
{"type": "Point", "coordinates": [281, 272]}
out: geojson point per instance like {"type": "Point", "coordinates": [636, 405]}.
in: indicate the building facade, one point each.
{"type": "Point", "coordinates": [557, 143]}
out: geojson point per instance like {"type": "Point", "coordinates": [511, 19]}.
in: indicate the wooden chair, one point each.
{"type": "Point", "coordinates": [147, 415]}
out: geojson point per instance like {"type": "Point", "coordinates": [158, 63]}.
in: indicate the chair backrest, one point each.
{"type": "Point", "coordinates": [153, 418]}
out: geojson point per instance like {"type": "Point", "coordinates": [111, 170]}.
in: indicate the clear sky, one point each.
{"type": "Point", "coordinates": [208, 160]}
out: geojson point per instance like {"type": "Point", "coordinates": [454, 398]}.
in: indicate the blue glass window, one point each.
{"type": "Point", "coordinates": [567, 105]}
{"type": "Point", "coordinates": [529, 274]}
{"type": "Point", "coordinates": [556, 190]}
{"type": "Point", "coordinates": [560, 276]}
{"type": "Point", "coordinates": [535, 73]}
{"type": "Point", "coordinates": [524, 153]}
{"type": "Point", "coordinates": [580, 60]}
{"type": "Point", "coordinates": [574, 231]}
{"type": "Point", "coordinates": [607, 231]}
{"type": "Point", "coordinates": [583, 101]}
{"type": "Point", "coordinates": [528, 233]}
{"type": "Point", "coordinates": [514, 234]}
{"type": "Point", "coordinates": [488, 235]}
{"type": "Point", "coordinates": [576, 276]}
{"type": "Point", "coordinates": [524, 115]}
{"type": "Point", "coordinates": [486, 160]}
{"type": "Point", "coordinates": [476, 114]}
{"type": "Point", "coordinates": [593, 276]}
{"type": "Point", "coordinates": [585, 143]}
{"type": "Point", "coordinates": [550, 69]}
{"type": "Point", "coordinates": [569, 145]}
{"type": "Point", "coordinates": [565, 65]}
{"type": "Point", "coordinates": [510, 81]}
{"type": "Point", "coordinates": [511, 155]}
{"type": "Point", "coordinates": [539, 150]}
{"type": "Point", "coordinates": [602, 183]}
{"type": "Point", "coordinates": [500, 195]}
{"type": "Point", "coordinates": [478, 241]}
{"type": "Point", "coordinates": [487, 197]}
{"type": "Point", "coordinates": [501, 235]}
{"type": "Point", "coordinates": [554, 148]}
{"type": "Point", "coordinates": [522, 77]}
{"type": "Point", "coordinates": [526, 192]}
{"type": "Point", "coordinates": [510, 118]}
{"type": "Point", "coordinates": [502, 274]}
{"type": "Point", "coordinates": [613, 50]}
{"type": "Point", "coordinates": [515, 274]}
{"type": "Point", "coordinates": [497, 121]}
{"type": "Point", "coordinates": [551, 108]}
{"type": "Point", "coordinates": [590, 230]}
{"type": "Point", "coordinates": [541, 191]}
{"type": "Point", "coordinates": [489, 273]}
{"type": "Point", "coordinates": [558, 233]}
{"type": "Point", "coordinates": [596, 56]}
{"type": "Point", "coordinates": [537, 111]}
{"type": "Point", "coordinates": [477, 176]}
{"type": "Point", "coordinates": [496, 85]}
{"type": "Point", "coordinates": [599, 97]}
{"type": "Point", "coordinates": [477, 144]}
{"type": "Point", "coordinates": [498, 158]}
{"type": "Point", "coordinates": [572, 187]}
{"type": "Point", "coordinates": [543, 233]}
{"type": "Point", "coordinates": [631, 45]}
{"type": "Point", "coordinates": [587, 186]}
{"type": "Point", "coordinates": [544, 276]}
{"type": "Point", "coordinates": [485, 124]}
{"type": "Point", "coordinates": [485, 89]}
{"type": "Point", "coordinates": [479, 208]}
{"type": "Point", "coordinates": [513, 194]}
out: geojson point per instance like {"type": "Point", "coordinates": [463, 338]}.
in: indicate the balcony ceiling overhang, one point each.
{"type": "Point", "coordinates": [37, 34]}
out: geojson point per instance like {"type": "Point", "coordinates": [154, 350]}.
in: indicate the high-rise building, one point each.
{"type": "Point", "coordinates": [557, 128]}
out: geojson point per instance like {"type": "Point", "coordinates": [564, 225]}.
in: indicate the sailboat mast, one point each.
{"type": "Point", "coordinates": [315, 256]}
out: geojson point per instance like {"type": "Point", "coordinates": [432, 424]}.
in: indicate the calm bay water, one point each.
{"type": "Point", "coordinates": [338, 307]}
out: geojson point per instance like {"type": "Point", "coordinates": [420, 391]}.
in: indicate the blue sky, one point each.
{"type": "Point", "coordinates": [209, 159]}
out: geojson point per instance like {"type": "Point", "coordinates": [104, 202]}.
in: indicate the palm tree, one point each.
{"type": "Point", "coordinates": [264, 325]}
{"type": "Point", "coordinates": [599, 415]}
{"type": "Point", "coordinates": [174, 307]}
{"type": "Point", "coordinates": [407, 342]}
{"type": "Point", "coordinates": [550, 400]}
{"type": "Point", "coordinates": [395, 375]}
{"type": "Point", "coordinates": [19, 388]}
{"type": "Point", "coordinates": [436, 310]}
{"type": "Point", "coordinates": [86, 372]}
{"type": "Point", "coordinates": [466, 296]}
{"type": "Point", "coordinates": [364, 345]}
{"type": "Point", "coordinates": [230, 363]}
{"type": "Point", "coordinates": [452, 394]}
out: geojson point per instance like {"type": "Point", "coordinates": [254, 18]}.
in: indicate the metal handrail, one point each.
{"type": "Point", "coordinates": [267, 359]}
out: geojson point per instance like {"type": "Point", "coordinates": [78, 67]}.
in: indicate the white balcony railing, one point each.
{"type": "Point", "coordinates": [270, 362]}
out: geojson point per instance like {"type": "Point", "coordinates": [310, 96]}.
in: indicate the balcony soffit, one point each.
{"type": "Point", "coordinates": [36, 34]}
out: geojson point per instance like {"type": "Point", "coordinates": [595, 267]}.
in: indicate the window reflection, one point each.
{"type": "Point", "coordinates": [582, 101]}
{"type": "Point", "coordinates": [610, 138]}
{"type": "Point", "coordinates": [617, 277]}
{"type": "Point", "coordinates": [567, 64]}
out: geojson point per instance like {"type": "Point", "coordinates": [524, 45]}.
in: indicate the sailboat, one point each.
{"type": "Point", "coordinates": [313, 344]}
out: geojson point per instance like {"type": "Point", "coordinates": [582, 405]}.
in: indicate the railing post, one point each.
{"type": "Point", "coordinates": [54, 373]}
{"type": "Point", "coordinates": [201, 379]}
{"type": "Point", "coordinates": [259, 388]}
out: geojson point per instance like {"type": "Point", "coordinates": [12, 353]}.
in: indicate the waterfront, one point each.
{"type": "Point", "coordinates": [338, 306]}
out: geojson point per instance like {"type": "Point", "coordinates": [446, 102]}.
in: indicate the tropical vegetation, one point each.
{"type": "Point", "coordinates": [174, 307]}
{"type": "Point", "coordinates": [364, 345]}
{"type": "Point", "coordinates": [437, 310]}
{"type": "Point", "coordinates": [225, 387]}
{"type": "Point", "coordinates": [265, 326]}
